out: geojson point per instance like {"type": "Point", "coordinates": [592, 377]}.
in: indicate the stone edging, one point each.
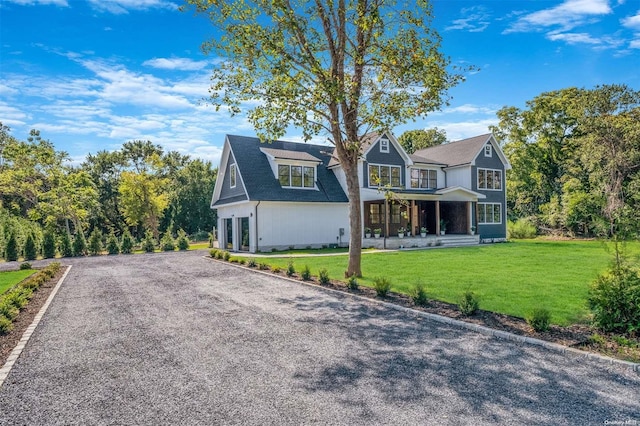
{"type": "Point", "coordinates": [13, 356]}
{"type": "Point", "coordinates": [555, 347]}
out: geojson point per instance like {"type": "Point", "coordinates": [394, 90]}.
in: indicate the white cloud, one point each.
{"type": "Point", "coordinates": [474, 19]}
{"type": "Point", "coordinates": [119, 7]}
{"type": "Point", "coordinates": [573, 38]}
{"type": "Point", "coordinates": [7, 91]}
{"type": "Point", "coordinates": [635, 44]}
{"type": "Point", "coordinates": [632, 22]}
{"type": "Point", "coordinates": [182, 64]}
{"type": "Point", "coordinates": [567, 16]}
{"type": "Point", "coordinates": [457, 130]}
{"type": "Point", "coordinates": [62, 3]}
{"type": "Point", "coordinates": [12, 116]}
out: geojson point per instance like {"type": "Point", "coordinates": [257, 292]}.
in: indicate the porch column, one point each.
{"type": "Point", "coordinates": [414, 219]}
{"type": "Point", "coordinates": [386, 218]}
{"type": "Point", "coordinates": [469, 220]}
{"type": "Point", "coordinates": [437, 217]}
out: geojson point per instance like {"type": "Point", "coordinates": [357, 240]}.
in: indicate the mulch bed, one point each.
{"type": "Point", "coordinates": [577, 335]}
{"type": "Point", "coordinates": [9, 340]}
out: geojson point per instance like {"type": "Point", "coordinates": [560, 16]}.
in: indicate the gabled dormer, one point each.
{"type": "Point", "coordinates": [293, 169]}
{"type": "Point", "coordinates": [384, 161]}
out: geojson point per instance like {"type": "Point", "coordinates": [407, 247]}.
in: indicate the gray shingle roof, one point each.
{"type": "Point", "coordinates": [260, 182]}
{"type": "Point", "coordinates": [421, 160]}
{"type": "Point", "coordinates": [367, 141]}
{"type": "Point", "coordinates": [455, 153]}
{"type": "Point", "coordinates": [290, 155]}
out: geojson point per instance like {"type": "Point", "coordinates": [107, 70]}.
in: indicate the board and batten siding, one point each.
{"type": "Point", "coordinates": [459, 176]}
{"type": "Point", "coordinates": [391, 158]}
{"type": "Point", "coordinates": [226, 191]}
{"type": "Point", "coordinates": [498, 231]}
{"type": "Point", "coordinates": [285, 224]}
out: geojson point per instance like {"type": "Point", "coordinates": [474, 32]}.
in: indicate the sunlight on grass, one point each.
{"type": "Point", "coordinates": [10, 278]}
{"type": "Point", "coordinates": [512, 278]}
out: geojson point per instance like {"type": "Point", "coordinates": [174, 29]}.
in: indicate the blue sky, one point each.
{"type": "Point", "coordinates": [93, 74]}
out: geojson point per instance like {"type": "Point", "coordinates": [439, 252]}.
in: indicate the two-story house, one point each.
{"type": "Point", "coordinates": [284, 194]}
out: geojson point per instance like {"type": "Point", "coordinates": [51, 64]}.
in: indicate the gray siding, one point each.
{"type": "Point", "coordinates": [392, 158]}
{"type": "Point", "coordinates": [226, 191]}
{"type": "Point", "coordinates": [493, 162]}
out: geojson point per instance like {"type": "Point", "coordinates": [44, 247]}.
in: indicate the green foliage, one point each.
{"type": "Point", "coordinates": [539, 319]}
{"type": "Point", "coordinates": [323, 276]}
{"type": "Point", "coordinates": [469, 303]}
{"type": "Point", "coordinates": [126, 245]}
{"type": "Point", "coordinates": [95, 242]}
{"type": "Point", "coordinates": [5, 325]}
{"type": "Point", "coordinates": [183, 241]}
{"type": "Point", "coordinates": [16, 298]}
{"type": "Point", "coordinates": [66, 249]}
{"type": "Point", "coordinates": [291, 270]}
{"type": "Point", "coordinates": [149, 243]}
{"type": "Point", "coordinates": [11, 250]}
{"type": "Point", "coordinates": [251, 263]}
{"type": "Point", "coordinates": [226, 256]}
{"type": "Point", "coordinates": [306, 273]}
{"type": "Point", "coordinates": [167, 243]}
{"type": "Point", "coordinates": [263, 266]}
{"type": "Point", "coordinates": [213, 252]}
{"type": "Point", "coordinates": [25, 265]}
{"type": "Point", "coordinates": [8, 310]}
{"type": "Point", "coordinates": [418, 294]}
{"type": "Point", "coordinates": [414, 140]}
{"type": "Point", "coordinates": [113, 247]}
{"type": "Point", "coordinates": [79, 244]}
{"type": "Point", "coordinates": [352, 282]}
{"type": "Point", "coordinates": [521, 229]}
{"type": "Point", "coordinates": [48, 245]}
{"type": "Point", "coordinates": [276, 269]}
{"type": "Point", "coordinates": [30, 250]}
{"type": "Point", "coordinates": [382, 286]}
{"type": "Point", "coordinates": [614, 299]}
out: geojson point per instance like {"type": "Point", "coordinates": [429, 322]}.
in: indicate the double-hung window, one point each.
{"type": "Point", "coordinates": [384, 175]}
{"type": "Point", "coordinates": [424, 179]}
{"type": "Point", "coordinates": [294, 176]}
{"type": "Point", "coordinates": [490, 179]}
{"type": "Point", "coordinates": [489, 213]}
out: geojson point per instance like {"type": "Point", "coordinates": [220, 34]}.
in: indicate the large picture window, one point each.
{"type": "Point", "coordinates": [490, 179]}
{"type": "Point", "coordinates": [296, 176]}
{"type": "Point", "coordinates": [384, 175]}
{"type": "Point", "coordinates": [424, 179]}
{"type": "Point", "coordinates": [489, 213]}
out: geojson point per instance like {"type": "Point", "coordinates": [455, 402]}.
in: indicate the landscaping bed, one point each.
{"type": "Point", "coordinates": [9, 340]}
{"type": "Point", "coordinates": [579, 336]}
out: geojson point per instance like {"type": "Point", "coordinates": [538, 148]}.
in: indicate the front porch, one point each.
{"type": "Point", "coordinates": [394, 243]}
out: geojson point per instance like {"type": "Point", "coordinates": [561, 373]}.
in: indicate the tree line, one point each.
{"type": "Point", "coordinates": [137, 190]}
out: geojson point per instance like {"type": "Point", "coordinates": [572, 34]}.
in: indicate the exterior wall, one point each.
{"type": "Point", "coordinates": [235, 211]}
{"type": "Point", "coordinates": [460, 176]}
{"type": "Point", "coordinates": [392, 158]}
{"type": "Point", "coordinates": [497, 232]}
{"type": "Point", "coordinates": [440, 176]}
{"type": "Point", "coordinates": [285, 224]}
{"type": "Point", "coordinates": [226, 191]}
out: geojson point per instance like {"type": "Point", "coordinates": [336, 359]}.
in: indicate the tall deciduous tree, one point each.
{"type": "Point", "coordinates": [344, 67]}
{"type": "Point", "coordinates": [413, 140]}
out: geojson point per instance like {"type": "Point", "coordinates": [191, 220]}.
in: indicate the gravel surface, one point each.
{"type": "Point", "coordinates": [174, 338]}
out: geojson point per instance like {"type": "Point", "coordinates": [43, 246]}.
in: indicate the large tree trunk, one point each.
{"type": "Point", "coordinates": [355, 218]}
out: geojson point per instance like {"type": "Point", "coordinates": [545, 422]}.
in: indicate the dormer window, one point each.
{"type": "Point", "coordinates": [293, 176]}
{"type": "Point", "coordinates": [384, 145]}
{"type": "Point", "coordinates": [487, 150]}
{"type": "Point", "coordinates": [232, 175]}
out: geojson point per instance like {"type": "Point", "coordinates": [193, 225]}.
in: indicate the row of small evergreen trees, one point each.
{"type": "Point", "coordinates": [68, 246]}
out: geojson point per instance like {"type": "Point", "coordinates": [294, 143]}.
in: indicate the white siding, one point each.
{"type": "Point", "coordinates": [459, 176]}
{"type": "Point", "coordinates": [282, 224]}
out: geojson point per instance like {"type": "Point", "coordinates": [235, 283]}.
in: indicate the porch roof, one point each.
{"type": "Point", "coordinates": [454, 193]}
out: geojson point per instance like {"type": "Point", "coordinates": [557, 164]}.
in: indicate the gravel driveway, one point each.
{"type": "Point", "coordinates": [174, 338]}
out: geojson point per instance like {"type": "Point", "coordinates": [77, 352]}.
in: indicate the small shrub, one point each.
{"type": "Point", "coordinates": [183, 241]}
{"type": "Point", "coordinates": [25, 265]}
{"type": "Point", "coordinates": [167, 242]}
{"type": "Point", "coordinates": [352, 283]}
{"type": "Point", "coordinates": [11, 250]}
{"type": "Point", "coordinates": [251, 263]}
{"type": "Point", "coordinates": [66, 249]}
{"type": "Point", "coordinates": [242, 261]}
{"type": "Point", "coordinates": [5, 325]}
{"type": "Point", "coordinates": [79, 244]}
{"type": "Point", "coordinates": [469, 303]}
{"type": "Point", "coordinates": [148, 244]}
{"type": "Point", "coordinates": [263, 266]}
{"type": "Point", "coordinates": [418, 294]}
{"type": "Point", "coordinates": [306, 273]}
{"type": "Point", "coordinates": [234, 260]}
{"type": "Point", "coordinates": [126, 245]}
{"type": "Point", "coordinates": [213, 252]}
{"type": "Point", "coordinates": [323, 276]}
{"type": "Point", "coordinates": [291, 270]}
{"type": "Point", "coordinates": [226, 256]}
{"type": "Point", "coordinates": [276, 269]}
{"type": "Point", "coordinates": [220, 254]}
{"type": "Point", "coordinates": [95, 242]}
{"type": "Point", "coordinates": [539, 319]}
{"type": "Point", "coordinates": [382, 286]}
{"type": "Point", "coordinates": [112, 244]}
{"type": "Point", "coordinates": [30, 249]}
{"type": "Point", "coordinates": [48, 245]}
{"type": "Point", "coordinates": [17, 299]}
{"type": "Point", "coordinates": [521, 229]}
{"type": "Point", "coordinates": [8, 310]}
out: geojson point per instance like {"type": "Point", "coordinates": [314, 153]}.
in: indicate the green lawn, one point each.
{"type": "Point", "coordinates": [11, 278]}
{"type": "Point", "coordinates": [511, 278]}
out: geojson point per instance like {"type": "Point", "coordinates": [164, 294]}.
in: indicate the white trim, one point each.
{"type": "Point", "coordinates": [488, 149]}
{"type": "Point", "coordinates": [496, 147]}
{"type": "Point", "coordinates": [383, 138]}
{"type": "Point", "coordinates": [396, 144]}
{"type": "Point", "coordinates": [224, 160]}
{"type": "Point", "coordinates": [390, 166]}
{"type": "Point", "coordinates": [233, 175]}
{"type": "Point", "coordinates": [315, 174]}
{"type": "Point", "coordinates": [492, 210]}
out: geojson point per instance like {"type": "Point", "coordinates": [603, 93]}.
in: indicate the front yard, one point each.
{"type": "Point", "coordinates": [10, 278]}
{"type": "Point", "coordinates": [512, 278]}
